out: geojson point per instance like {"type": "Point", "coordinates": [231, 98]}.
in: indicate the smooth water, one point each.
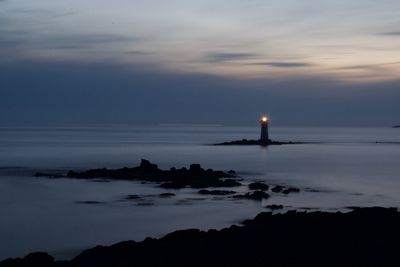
{"type": "Point", "coordinates": [341, 167]}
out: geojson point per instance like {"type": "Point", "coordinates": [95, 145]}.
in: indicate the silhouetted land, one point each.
{"type": "Point", "coordinates": [195, 176]}
{"type": "Point", "coordinates": [396, 126]}
{"type": "Point", "coordinates": [363, 237]}
{"type": "Point", "coordinates": [245, 142]}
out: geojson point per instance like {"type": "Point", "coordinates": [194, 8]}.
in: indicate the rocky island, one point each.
{"type": "Point", "coordinates": [245, 142]}
{"type": "Point", "coordinates": [362, 237]}
{"type": "Point", "coordinates": [194, 176]}
{"type": "Point", "coordinates": [263, 141]}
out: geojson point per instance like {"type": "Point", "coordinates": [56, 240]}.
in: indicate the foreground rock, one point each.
{"type": "Point", "coordinates": [195, 176]}
{"type": "Point", "coordinates": [363, 237]}
{"type": "Point", "coordinates": [245, 142]}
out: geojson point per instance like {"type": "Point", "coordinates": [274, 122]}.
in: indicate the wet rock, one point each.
{"type": "Point", "coordinates": [256, 195]}
{"type": "Point", "coordinates": [90, 202]}
{"type": "Point", "coordinates": [274, 207]}
{"type": "Point", "coordinates": [284, 190]}
{"type": "Point", "coordinates": [195, 176]}
{"type": "Point", "coordinates": [277, 189]}
{"type": "Point", "coordinates": [246, 142]}
{"type": "Point", "coordinates": [132, 197]}
{"type": "Point", "coordinates": [289, 190]}
{"type": "Point", "coordinates": [258, 186]}
{"type": "Point", "coordinates": [167, 195]}
{"type": "Point", "coordinates": [216, 192]}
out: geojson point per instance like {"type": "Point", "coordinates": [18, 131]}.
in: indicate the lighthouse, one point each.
{"type": "Point", "coordinates": [264, 138]}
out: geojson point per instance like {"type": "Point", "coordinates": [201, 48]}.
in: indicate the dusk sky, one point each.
{"type": "Point", "coordinates": [310, 62]}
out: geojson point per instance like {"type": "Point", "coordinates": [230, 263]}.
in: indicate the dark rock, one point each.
{"type": "Point", "coordinates": [92, 202]}
{"type": "Point", "coordinates": [258, 186]}
{"type": "Point", "coordinates": [245, 142]}
{"type": "Point", "coordinates": [39, 259]}
{"type": "Point", "coordinates": [363, 237]}
{"type": "Point", "coordinates": [195, 176]}
{"type": "Point", "coordinates": [146, 165]}
{"type": "Point", "coordinates": [166, 195]}
{"type": "Point", "coordinates": [289, 190]}
{"type": "Point", "coordinates": [284, 190]}
{"type": "Point", "coordinates": [173, 185]}
{"type": "Point", "coordinates": [277, 189]}
{"type": "Point", "coordinates": [216, 192]}
{"type": "Point", "coordinates": [229, 183]}
{"type": "Point", "coordinates": [256, 195]}
{"type": "Point", "coordinates": [274, 207]}
{"type": "Point", "coordinates": [133, 197]}
{"type": "Point", "coordinates": [195, 168]}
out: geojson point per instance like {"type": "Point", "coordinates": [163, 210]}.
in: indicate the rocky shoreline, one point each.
{"type": "Point", "coordinates": [194, 176]}
{"type": "Point", "coordinates": [246, 142]}
{"type": "Point", "coordinates": [362, 237]}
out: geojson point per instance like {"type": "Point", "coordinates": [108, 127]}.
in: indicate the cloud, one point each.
{"type": "Point", "coordinates": [139, 53]}
{"type": "Point", "coordinates": [85, 40]}
{"type": "Point", "coordinates": [11, 38]}
{"type": "Point", "coordinates": [60, 92]}
{"type": "Point", "coordinates": [285, 64]}
{"type": "Point", "coordinates": [370, 66]}
{"type": "Point", "coordinates": [390, 33]}
{"type": "Point", "coordinates": [225, 56]}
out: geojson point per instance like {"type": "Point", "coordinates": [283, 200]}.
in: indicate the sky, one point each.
{"type": "Point", "coordinates": [302, 62]}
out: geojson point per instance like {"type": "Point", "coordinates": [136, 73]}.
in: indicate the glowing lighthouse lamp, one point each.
{"type": "Point", "coordinates": [264, 138]}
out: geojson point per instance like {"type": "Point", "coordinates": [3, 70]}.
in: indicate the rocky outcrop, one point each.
{"type": "Point", "coordinates": [363, 237]}
{"type": "Point", "coordinates": [195, 176]}
{"type": "Point", "coordinates": [274, 207]}
{"type": "Point", "coordinates": [246, 142]}
{"type": "Point", "coordinates": [284, 190]}
{"type": "Point", "coordinates": [216, 192]}
{"type": "Point", "coordinates": [256, 195]}
{"type": "Point", "coordinates": [258, 186]}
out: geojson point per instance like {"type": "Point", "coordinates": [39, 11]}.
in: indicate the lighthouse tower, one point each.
{"type": "Point", "coordinates": [264, 138]}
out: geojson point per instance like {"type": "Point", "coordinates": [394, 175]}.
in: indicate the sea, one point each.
{"type": "Point", "coordinates": [335, 169]}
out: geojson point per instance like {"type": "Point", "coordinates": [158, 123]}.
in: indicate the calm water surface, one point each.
{"type": "Point", "coordinates": [342, 167]}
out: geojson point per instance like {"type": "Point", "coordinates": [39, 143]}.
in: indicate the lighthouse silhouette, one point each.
{"type": "Point", "coordinates": [264, 137]}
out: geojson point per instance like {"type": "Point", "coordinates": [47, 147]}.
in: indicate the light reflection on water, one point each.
{"type": "Point", "coordinates": [346, 166]}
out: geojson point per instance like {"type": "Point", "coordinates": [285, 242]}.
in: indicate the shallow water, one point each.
{"type": "Point", "coordinates": [342, 167]}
